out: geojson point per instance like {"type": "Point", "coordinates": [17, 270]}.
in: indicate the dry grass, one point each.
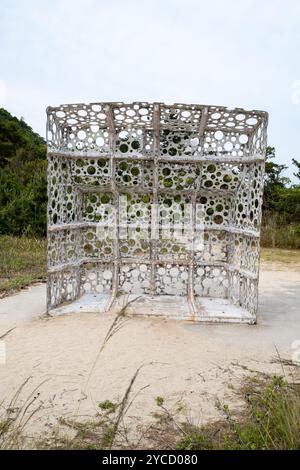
{"type": "Point", "coordinates": [270, 419]}
{"type": "Point", "coordinates": [277, 233]}
{"type": "Point", "coordinates": [22, 262]}
{"type": "Point", "coordinates": [15, 416]}
{"type": "Point", "coordinates": [281, 259]}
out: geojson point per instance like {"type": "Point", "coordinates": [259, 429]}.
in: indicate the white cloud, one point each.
{"type": "Point", "coordinates": [3, 93]}
{"type": "Point", "coordinates": [295, 95]}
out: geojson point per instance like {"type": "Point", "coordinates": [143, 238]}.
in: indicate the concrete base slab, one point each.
{"type": "Point", "coordinates": [278, 320]}
{"type": "Point", "coordinates": [221, 310]}
{"type": "Point", "coordinates": [87, 303]}
{"type": "Point", "coordinates": [173, 307]}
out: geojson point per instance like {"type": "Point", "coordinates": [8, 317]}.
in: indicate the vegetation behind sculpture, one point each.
{"type": "Point", "coordinates": [23, 188]}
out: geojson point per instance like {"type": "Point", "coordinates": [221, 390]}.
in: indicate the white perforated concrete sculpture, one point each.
{"type": "Point", "coordinates": [158, 203]}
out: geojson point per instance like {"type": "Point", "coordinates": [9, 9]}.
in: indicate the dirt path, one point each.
{"type": "Point", "coordinates": [193, 364]}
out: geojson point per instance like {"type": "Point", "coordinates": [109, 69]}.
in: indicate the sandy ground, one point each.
{"type": "Point", "coordinates": [186, 363]}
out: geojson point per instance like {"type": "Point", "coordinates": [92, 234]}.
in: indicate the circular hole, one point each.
{"type": "Point", "coordinates": [243, 139]}
{"type": "Point", "coordinates": [176, 139]}
{"type": "Point", "coordinates": [194, 141]}
{"type": "Point", "coordinates": [130, 112]}
{"type": "Point", "coordinates": [100, 141]}
{"type": "Point", "coordinates": [60, 114]}
{"type": "Point", "coordinates": [96, 107]}
{"type": "Point", "coordinates": [166, 171]}
{"type": "Point", "coordinates": [216, 116]}
{"type": "Point", "coordinates": [185, 114]}
{"type": "Point", "coordinates": [91, 170]}
{"type": "Point", "coordinates": [251, 121]}
{"type": "Point", "coordinates": [94, 128]}
{"type": "Point", "coordinates": [72, 121]}
{"type": "Point", "coordinates": [82, 113]}
{"type": "Point", "coordinates": [123, 135]}
{"type": "Point", "coordinates": [88, 249]}
{"type": "Point", "coordinates": [143, 111]}
{"type": "Point", "coordinates": [135, 145]}
{"type": "Point", "coordinates": [101, 163]}
{"type": "Point", "coordinates": [218, 219]}
{"type": "Point", "coordinates": [211, 168]}
{"type": "Point", "coordinates": [146, 198]}
{"type": "Point", "coordinates": [120, 117]}
{"type": "Point", "coordinates": [135, 171]}
{"type": "Point", "coordinates": [80, 163]}
{"type": "Point", "coordinates": [81, 135]}
{"type": "Point", "coordinates": [219, 135]}
{"type": "Point", "coordinates": [227, 178]}
{"type": "Point", "coordinates": [93, 199]}
{"type": "Point", "coordinates": [228, 146]}
{"type": "Point", "coordinates": [168, 182]}
{"type": "Point", "coordinates": [123, 148]}
{"type": "Point", "coordinates": [105, 199]}
{"type": "Point", "coordinates": [240, 117]}
{"type": "Point", "coordinates": [123, 166]}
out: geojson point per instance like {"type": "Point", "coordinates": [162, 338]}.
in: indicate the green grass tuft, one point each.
{"type": "Point", "coordinates": [270, 421]}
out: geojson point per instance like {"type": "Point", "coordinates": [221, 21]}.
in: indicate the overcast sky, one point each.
{"type": "Point", "coordinates": [243, 53]}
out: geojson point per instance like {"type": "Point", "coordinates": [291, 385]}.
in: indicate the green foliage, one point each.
{"type": "Point", "coordinates": [281, 206]}
{"type": "Point", "coordinates": [195, 441]}
{"type": "Point", "coordinates": [23, 182]}
{"type": "Point", "coordinates": [297, 165]}
{"type": "Point", "coordinates": [271, 421]}
{"type": "Point", "coordinates": [16, 135]}
{"type": "Point", "coordinates": [289, 203]}
{"type": "Point", "coordinates": [159, 401]}
{"type": "Point", "coordinates": [108, 406]}
{"type": "Point", "coordinates": [274, 181]}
